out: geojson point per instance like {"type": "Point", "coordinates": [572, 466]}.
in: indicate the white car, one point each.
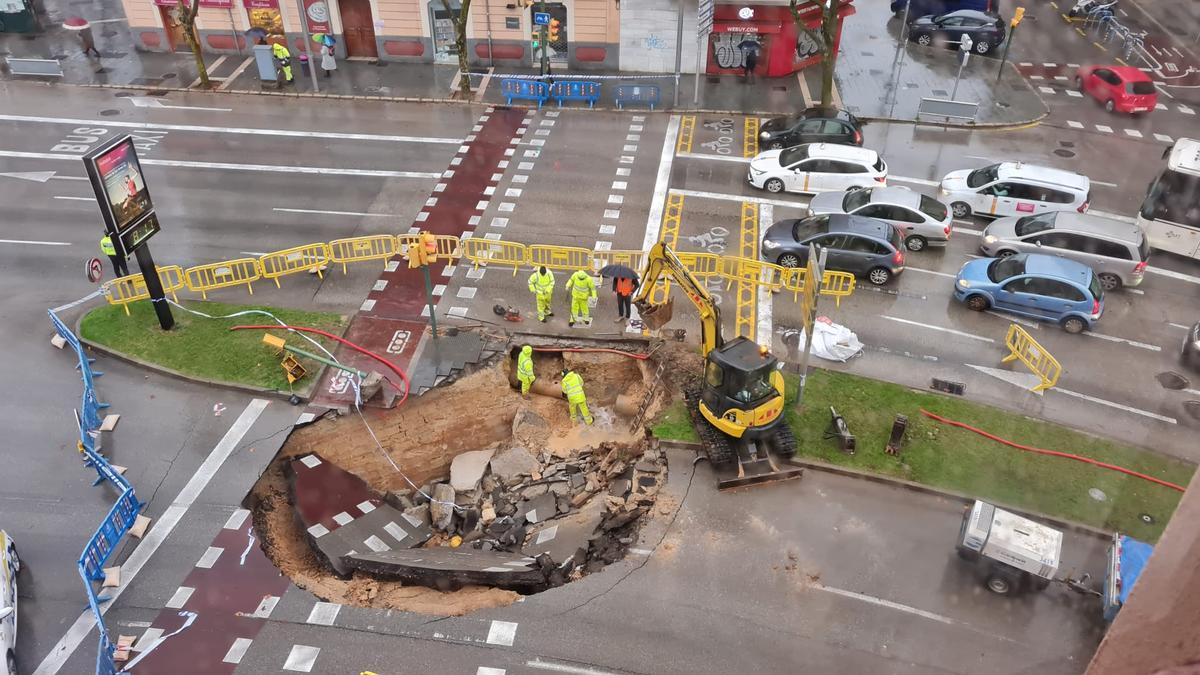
{"type": "Point", "coordinates": [10, 565]}
{"type": "Point", "coordinates": [1014, 189]}
{"type": "Point", "coordinates": [921, 220]}
{"type": "Point", "coordinates": [816, 167]}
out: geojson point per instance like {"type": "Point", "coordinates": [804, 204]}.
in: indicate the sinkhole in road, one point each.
{"type": "Point", "coordinates": [514, 484]}
{"type": "Point", "coordinates": [1172, 380]}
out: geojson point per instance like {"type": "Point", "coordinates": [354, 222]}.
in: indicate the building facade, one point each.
{"type": "Point", "coordinates": [627, 35]}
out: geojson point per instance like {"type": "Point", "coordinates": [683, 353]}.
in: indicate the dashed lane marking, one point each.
{"type": "Point", "coordinates": [237, 650]}
{"type": "Point", "coordinates": [324, 613]}
{"type": "Point", "coordinates": [910, 268]}
{"type": "Point", "coordinates": [556, 667]}
{"type": "Point", "coordinates": [302, 658]}
{"type": "Point", "coordinates": [1118, 406]}
{"type": "Point", "coordinates": [502, 633]}
{"type": "Point", "coordinates": [1131, 343]}
{"type": "Point", "coordinates": [942, 329]}
{"type": "Point", "coordinates": [735, 198]}
{"type": "Point", "coordinates": [34, 243]}
{"type": "Point", "coordinates": [907, 609]}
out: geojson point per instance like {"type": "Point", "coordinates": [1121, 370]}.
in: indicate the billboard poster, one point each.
{"type": "Point", "coordinates": [316, 12]}
{"type": "Point", "coordinates": [118, 182]}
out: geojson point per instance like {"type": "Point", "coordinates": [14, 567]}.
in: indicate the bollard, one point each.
{"type": "Point", "coordinates": [899, 426]}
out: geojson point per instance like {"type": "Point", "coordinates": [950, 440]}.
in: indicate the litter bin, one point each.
{"type": "Point", "coordinates": [17, 16]}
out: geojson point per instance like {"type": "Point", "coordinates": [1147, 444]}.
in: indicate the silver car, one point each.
{"type": "Point", "coordinates": [921, 220]}
{"type": "Point", "coordinates": [1116, 251]}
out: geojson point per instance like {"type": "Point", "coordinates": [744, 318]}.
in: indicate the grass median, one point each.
{"type": "Point", "coordinates": [942, 456]}
{"type": "Point", "coordinates": [206, 348]}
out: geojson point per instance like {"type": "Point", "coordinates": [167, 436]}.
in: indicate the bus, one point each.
{"type": "Point", "coordinates": [1170, 215]}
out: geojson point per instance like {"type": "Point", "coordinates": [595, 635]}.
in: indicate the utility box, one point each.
{"type": "Point", "coordinates": [18, 16]}
{"type": "Point", "coordinates": [263, 60]}
{"type": "Point", "coordinates": [1013, 553]}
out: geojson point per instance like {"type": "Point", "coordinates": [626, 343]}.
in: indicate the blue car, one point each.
{"type": "Point", "coordinates": [1043, 287]}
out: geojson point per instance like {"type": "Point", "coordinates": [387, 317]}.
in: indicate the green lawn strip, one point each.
{"type": "Point", "coordinates": [206, 348]}
{"type": "Point", "coordinates": [674, 424]}
{"type": "Point", "coordinates": [957, 459]}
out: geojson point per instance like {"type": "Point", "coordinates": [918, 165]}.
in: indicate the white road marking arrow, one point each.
{"type": "Point", "coordinates": [35, 176]}
{"type": "Point", "coordinates": [1026, 381]}
{"type": "Point", "coordinates": [150, 102]}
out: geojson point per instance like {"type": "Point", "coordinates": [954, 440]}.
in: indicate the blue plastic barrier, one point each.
{"type": "Point", "coordinates": [576, 90]}
{"type": "Point", "coordinates": [122, 514]}
{"type": "Point", "coordinates": [637, 93]}
{"type": "Point", "coordinates": [529, 90]}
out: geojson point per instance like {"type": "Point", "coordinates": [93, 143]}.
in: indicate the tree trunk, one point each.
{"type": "Point", "coordinates": [187, 18]}
{"type": "Point", "coordinates": [460, 41]}
{"type": "Point", "coordinates": [829, 26]}
{"type": "Point", "coordinates": [828, 61]}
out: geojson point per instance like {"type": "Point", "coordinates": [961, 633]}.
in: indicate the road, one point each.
{"type": "Point", "coordinates": [259, 176]}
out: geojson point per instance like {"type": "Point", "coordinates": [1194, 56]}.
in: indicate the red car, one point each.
{"type": "Point", "coordinates": [1122, 88]}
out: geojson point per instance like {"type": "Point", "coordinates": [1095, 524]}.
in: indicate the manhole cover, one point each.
{"type": "Point", "coordinates": [1192, 408]}
{"type": "Point", "coordinates": [1064, 153]}
{"type": "Point", "coordinates": [1172, 380]}
{"type": "Point", "coordinates": [1147, 518]}
{"type": "Point", "coordinates": [1067, 144]}
{"type": "Point", "coordinates": [168, 76]}
{"type": "Point", "coordinates": [1097, 494]}
{"type": "Point", "coordinates": [123, 94]}
{"type": "Point", "coordinates": [109, 113]}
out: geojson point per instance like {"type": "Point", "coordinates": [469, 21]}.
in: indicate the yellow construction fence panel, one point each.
{"type": "Point", "coordinates": [359, 249]}
{"type": "Point", "coordinates": [203, 278]}
{"type": "Point", "coordinates": [483, 252]}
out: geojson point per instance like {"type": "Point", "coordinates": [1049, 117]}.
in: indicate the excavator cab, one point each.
{"type": "Point", "coordinates": [742, 394]}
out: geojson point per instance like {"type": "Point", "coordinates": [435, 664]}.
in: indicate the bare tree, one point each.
{"type": "Point", "coordinates": [187, 19]}
{"type": "Point", "coordinates": [460, 43]}
{"type": "Point", "coordinates": [824, 37]}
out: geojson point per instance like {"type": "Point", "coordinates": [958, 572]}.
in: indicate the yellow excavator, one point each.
{"type": "Point", "coordinates": [737, 406]}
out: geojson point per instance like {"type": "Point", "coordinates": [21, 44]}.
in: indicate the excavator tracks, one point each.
{"type": "Point", "coordinates": [783, 441]}
{"type": "Point", "coordinates": [716, 445]}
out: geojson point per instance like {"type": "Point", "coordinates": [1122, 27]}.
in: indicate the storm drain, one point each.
{"type": "Point", "coordinates": [1172, 380]}
{"type": "Point", "coordinates": [110, 112]}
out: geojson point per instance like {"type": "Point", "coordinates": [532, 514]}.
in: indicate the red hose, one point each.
{"type": "Point", "coordinates": [1054, 453]}
{"type": "Point", "coordinates": [396, 369]}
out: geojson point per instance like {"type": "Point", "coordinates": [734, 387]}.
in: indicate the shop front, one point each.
{"type": "Point", "coordinates": [782, 48]}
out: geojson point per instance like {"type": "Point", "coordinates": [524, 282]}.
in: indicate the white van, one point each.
{"type": "Point", "coordinates": [1014, 189]}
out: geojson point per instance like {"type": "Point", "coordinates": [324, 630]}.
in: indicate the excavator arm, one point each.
{"type": "Point", "coordinates": [662, 261]}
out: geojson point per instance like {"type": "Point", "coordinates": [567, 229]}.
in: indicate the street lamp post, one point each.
{"type": "Point", "coordinates": [312, 66]}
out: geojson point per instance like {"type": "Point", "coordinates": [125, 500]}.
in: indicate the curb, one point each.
{"type": "Point", "coordinates": [304, 396]}
{"type": "Point", "coordinates": [993, 126]}
{"type": "Point", "coordinates": [952, 495]}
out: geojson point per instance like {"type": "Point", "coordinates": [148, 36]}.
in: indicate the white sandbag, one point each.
{"type": "Point", "coordinates": [833, 342]}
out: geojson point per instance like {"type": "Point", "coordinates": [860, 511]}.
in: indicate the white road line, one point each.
{"type": "Point", "coordinates": [1179, 326]}
{"type": "Point", "coordinates": [302, 658]}
{"type": "Point", "coordinates": [700, 194]}
{"type": "Point", "coordinates": [233, 130]}
{"type": "Point", "coordinates": [1103, 183]}
{"type": "Point", "coordinates": [485, 670]}
{"type": "Point", "coordinates": [914, 181]}
{"type": "Point", "coordinates": [237, 650]}
{"type": "Point", "coordinates": [968, 230]}
{"type": "Point", "coordinates": [886, 603]}
{"type": "Point", "coordinates": [1015, 319]}
{"type": "Point", "coordinates": [1132, 343]}
{"type": "Point", "coordinates": [324, 613]}
{"type": "Point", "coordinates": [236, 519]}
{"type": "Point", "coordinates": [1074, 125]}
{"type": "Point", "coordinates": [75, 199]}
{"type": "Point", "coordinates": [556, 667]}
{"type": "Point", "coordinates": [910, 268]}
{"type": "Point", "coordinates": [184, 164]}
{"type": "Point", "coordinates": [940, 328]}
{"type": "Point", "coordinates": [1173, 275]}
{"type": "Point", "coordinates": [210, 557]}
{"type": "Point", "coordinates": [150, 544]}
{"type": "Point", "coordinates": [253, 254]}
{"type": "Point", "coordinates": [34, 243]}
{"type": "Point", "coordinates": [1113, 216]}
{"type": "Point", "coordinates": [1135, 291]}
{"type": "Point", "coordinates": [1192, 392]}
{"type": "Point", "coordinates": [234, 75]}
{"type": "Point", "coordinates": [1118, 406]}
{"type": "Point", "coordinates": [336, 213]}
{"type": "Point", "coordinates": [765, 332]}
{"type": "Point", "coordinates": [502, 633]}
{"type": "Point", "coordinates": [719, 158]}
{"type": "Point", "coordinates": [659, 199]}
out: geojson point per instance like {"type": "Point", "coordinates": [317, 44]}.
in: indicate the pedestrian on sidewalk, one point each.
{"type": "Point", "coordinates": [624, 288]}
{"type": "Point", "coordinates": [525, 370]}
{"type": "Point", "coordinates": [572, 386]}
{"type": "Point", "coordinates": [749, 48]}
{"type": "Point", "coordinates": [328, 63]}
{"type": "Point", "coordinates": [88, 42]}
{"type": "Point", "coordinates": [120, 269]}
{"type": "Point", "coordinates": [583, 297]}
{"type": "Point", "coordinates": [541, 284]}
{"type": "Point", "coordinates": [283, 61]}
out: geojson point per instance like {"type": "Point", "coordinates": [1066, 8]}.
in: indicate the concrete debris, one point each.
{"type": "Point", "coordinates": [539, 509]}
{"type": "Point", "coordinates": [449, 569]}
{"type": "Point", "coordinates": [530, 429]}
{"type": "Point", "coordinates": [534, 491]}
{"type": "Point", "coordinates": [440, 509]}
{"type": "Point", "coordinates": [419, 514]}
{"type": "Point", "coordinates": [647, 467]}
{"type": "Point", "coordinates": [619, 487]}
{"type": "Point", "coordinates": [466, 470]}
{"type": "Point", "coordinates": [514, 463]}
{"type": "Point", "coordinates": [488, 514]}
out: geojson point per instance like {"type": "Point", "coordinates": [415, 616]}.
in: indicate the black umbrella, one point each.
{"type": "Point", "coordinates": [256, 34]}
{"type": "Point", "coordinates": [618, 271]}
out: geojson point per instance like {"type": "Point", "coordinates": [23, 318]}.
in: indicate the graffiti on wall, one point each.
{"type": "Point", "coordinates": [725, 50]}
{"type": "Point", "coordinates": [806, 47]}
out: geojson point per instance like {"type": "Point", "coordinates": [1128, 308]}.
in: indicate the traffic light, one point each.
{"type": "Point", "coordinates": [1018, 14]}
{"type": "Point", "coordinates": [554, 24]}
{"type": "Point", "coordinates": [526, 4]}
{"type": "Point", "coordinates": [537, 43]}
{"type": "Point", "coordinates": [423, 251]}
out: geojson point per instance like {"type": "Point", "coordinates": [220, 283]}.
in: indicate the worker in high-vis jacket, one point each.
{"type": "Point", "coordinates": [283, 60]}
{"type": "Point", "coordinates": [525, 369]}
{"type": "Point", "coordinates": [572, 386]}
{"type": "Point", "coordinates": [118, 263]}
{"type": "Point", "coordinates": [583, 291]}
{"type": "Point", "coordinates": [541, 284]}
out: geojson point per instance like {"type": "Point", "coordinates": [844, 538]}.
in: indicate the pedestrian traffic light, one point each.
{"type": "Point", "coordinates": [1018, 14]}
{"type": "Point", "coordinates": [537, 44]}
{"type": "Point", "coordinates": [422, 251]}
{"type": "Point", "coordinates": [554, 24]}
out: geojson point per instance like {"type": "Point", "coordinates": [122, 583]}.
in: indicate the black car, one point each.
{"type": "Point", "coordinates": [1191, 348]}
{"type": "Point", "coordinates": [918, 8]}
{"type": "Point", "coordinates": [814, 125]}
{"type": "Point", "coordinates": [863, 246]}
{"type": "Point", "coordinates": [985, 29]}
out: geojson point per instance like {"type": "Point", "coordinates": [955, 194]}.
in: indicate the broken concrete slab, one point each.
{"type": "Point", "coordinates": [539, 509]}
{"type": "Point", "coordinates": [441, 509]}
{"type": "Point", "coordinates": [448, 569]}
{"type": "Point", "coordinates": [647, 467]}
{"type": "Point", "coordinates": [419, 514]}
{"type": "Point", "coordinates": [466, 469]}
{"type": "Point", "coordinates": [514, 462]}
{"type": "Point", "coordinates": [383, 529]}
{"type": "Point", "coordinates": [619, 487]}
{"type": "Point", "coordinates": [566, 539]}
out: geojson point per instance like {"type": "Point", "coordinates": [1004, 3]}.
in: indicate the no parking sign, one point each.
{"type": "Point", "coordinates": [94, 270]}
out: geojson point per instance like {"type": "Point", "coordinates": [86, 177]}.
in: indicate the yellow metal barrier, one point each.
{"type": "Point", "coordinates": [203, 278]}
{"type": "Point", "coordinates": [127, 289]}
{"type": "Point", "coordinates": [635, 260]}
{"type": "Point", "coordinates": [756, 272]}
{"type": "Point", "coordinates": [834, 284]}
{"type": "Point", "coordinates": [559, 257]}
{"type": "Point", "coordinates": [703, 266]}
{"type": "Point", "coordinates": [1022, 346]}
{"type": "Point", "coordinates": [483, 252]}
{"type": "Point", "coordinates": [306, 258]}
{"type": "Point", "coordinates": [359, 249]}
{"type": "Point", "coordinates": [448, 247]}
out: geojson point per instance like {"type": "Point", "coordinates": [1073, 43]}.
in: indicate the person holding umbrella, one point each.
{"type": "Point", "coordinates": [84, 29]}
{"type": "Point", "coordinates": [328, 63]}
{"type": "Point", "coordinates": [625, 282]}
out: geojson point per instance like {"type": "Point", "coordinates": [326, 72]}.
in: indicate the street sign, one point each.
{"type": "Point", "coordinates": [541, 18]}
{"type": "Point", "coordinates": [704, 18]}
{"type": "Point", "coordinates": [965, 44]}
{"type": "Point", "coordinates": [94, 270]}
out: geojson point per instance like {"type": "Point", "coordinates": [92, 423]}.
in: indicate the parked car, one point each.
{"type": "Point", "coordinates": [1121, 88]}
{"type": "Point", "coordinates": [918, 8]}
{"type": "Point", "coordinates": [921, 220]}
{"type": "Point", "coordinates": [10, 566]}
{"type": "Point", "coordinates": [814, 125]}
{"type": "Point", "coordinates": [1041, 287]}
{"type": "Point", "coordinates": [862, 246]}
{"type": "Point", "coordinates": [1191, 348]}
{"type": "Point", "coordinates": [1116, 251]}
{"type": "Point", "coordinates": [1014, 189]}
{"type": "Point", "coordinates": [816, 167]}
{"type": "Point", "coordinates": [985, 29]}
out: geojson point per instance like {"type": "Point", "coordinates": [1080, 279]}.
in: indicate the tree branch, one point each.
{"type": "Point", "coordinates": [815, 36]}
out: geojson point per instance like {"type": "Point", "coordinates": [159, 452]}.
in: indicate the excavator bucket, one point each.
{"type": "Point", "coordinates": [655, 317]}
